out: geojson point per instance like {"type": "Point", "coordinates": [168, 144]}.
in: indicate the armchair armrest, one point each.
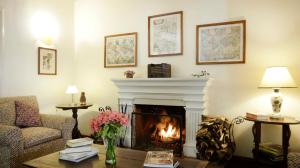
{"type": "Point", "coordinates": [11, 141]}
{"type": "Point", "coordinates": [63, 123]}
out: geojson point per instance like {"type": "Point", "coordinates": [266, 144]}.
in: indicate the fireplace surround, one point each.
{"type": "Point", "coordinates": [186, 92]}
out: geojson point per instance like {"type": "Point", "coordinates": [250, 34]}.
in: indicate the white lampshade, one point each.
{"type": "Point", "coordinates": [72, 89]}
{"type": "Point", "coordinates": [277, 77]}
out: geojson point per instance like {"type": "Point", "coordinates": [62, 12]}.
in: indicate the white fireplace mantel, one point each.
{"type": "Point", "coordinates": [191, 91]}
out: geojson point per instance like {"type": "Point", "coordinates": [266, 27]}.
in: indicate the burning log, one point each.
{"type": "Point", "coordinates": [214, 139]}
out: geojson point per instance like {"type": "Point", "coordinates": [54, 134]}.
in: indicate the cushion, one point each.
{"type": "Point", "coordinates": [27, 115]}
{"type": "Point", "coordinates": [37, 135]}
{"type": "Point", "coordinates": [7, 113]}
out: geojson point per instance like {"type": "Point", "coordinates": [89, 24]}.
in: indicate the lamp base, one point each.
{"type": "Point", "coordinates": [276, 101]}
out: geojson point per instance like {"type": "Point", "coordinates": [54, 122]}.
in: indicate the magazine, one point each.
{"type": "Point", "coordinates": [161, 159]}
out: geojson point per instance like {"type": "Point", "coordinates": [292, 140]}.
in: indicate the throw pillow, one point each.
{"type": "Point", "coordinates": [7, 113]}
{"type": "Point", "coordinates": [27, 115]}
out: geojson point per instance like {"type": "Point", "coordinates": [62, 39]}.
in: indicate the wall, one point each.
{"type": "Point", "coordinates": [272, 39]}
{"type": "Point", "coordinates": [19, 63]}
{"type": "Point", "coordinates": [1, 48]}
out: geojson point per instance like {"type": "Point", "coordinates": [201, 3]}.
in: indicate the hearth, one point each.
{"type": "Point", "coordinates": [156, 127]}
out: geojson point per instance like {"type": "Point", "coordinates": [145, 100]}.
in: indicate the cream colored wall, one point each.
{"type": "Point", "coordinates": [272, 40]}
{"type": "Point", "coordinates": [19, 62]}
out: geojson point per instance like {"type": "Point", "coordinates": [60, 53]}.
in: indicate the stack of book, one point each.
{"type": "Point", "coordinates": [270, 151]}
{"type": "Point", "coordinates": [161, 159]}
{"type": "Point", "coordinates": [257, 116]}
{"type": "Point", "coordinates": [78, 150]}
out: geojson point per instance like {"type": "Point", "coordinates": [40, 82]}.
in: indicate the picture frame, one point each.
{"type": "Point", "coordinates": [165, 34]}
{"type": "Point", "coordinates": [120, 50]}
{"type": "Point", "coordinates": [47, 61]}
{"type": "Point", "coordinates": [221, 43]}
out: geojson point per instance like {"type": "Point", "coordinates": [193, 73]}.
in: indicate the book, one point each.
{"type": "Point", "coordinates": [257, 116]}
{"type": "Point", "coordinates": [79, 142]}
{"type": "Point", "coordinates": [271, 149]}
{"type": "Point", "coordinates": [76, 150]}
{"type": "Point", "coordinates": [161, 159]}
{"type": "Point", "coordinates": [78, 156]}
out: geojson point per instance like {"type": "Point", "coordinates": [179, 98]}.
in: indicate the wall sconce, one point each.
{"type": "Point", "coordinates": [44, 27]}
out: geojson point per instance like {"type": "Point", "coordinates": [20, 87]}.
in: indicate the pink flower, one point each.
{"type": "Point", "coordinates": [108, 118]}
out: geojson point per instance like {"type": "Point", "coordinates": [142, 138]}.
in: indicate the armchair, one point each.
{"type": "Point", "coordinates": [21, 144]}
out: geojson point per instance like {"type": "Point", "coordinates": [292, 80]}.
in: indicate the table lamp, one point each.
{"type": "Point", "coordinates": [276, 78]}
{"type": "Point", "coordinates": [72, 89]}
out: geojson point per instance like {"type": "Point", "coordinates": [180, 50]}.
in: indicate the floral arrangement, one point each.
{"type": "Point", "coordinates": [109, 124]}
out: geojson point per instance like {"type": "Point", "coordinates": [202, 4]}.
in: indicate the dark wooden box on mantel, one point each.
{"type": "Point", "coordinates": [159, 70]}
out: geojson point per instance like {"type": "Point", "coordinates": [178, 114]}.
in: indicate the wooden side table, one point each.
{"type": "Point", "coordinates": [75, 133]}
{"type": "Point", "coordinates": [286, 134]}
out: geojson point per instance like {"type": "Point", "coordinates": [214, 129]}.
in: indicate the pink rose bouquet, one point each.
{"type": "Point", "coordinates": [109, 124]}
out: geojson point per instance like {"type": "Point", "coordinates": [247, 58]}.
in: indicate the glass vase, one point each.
{"type": "Point", "coordinates": [110, 151]}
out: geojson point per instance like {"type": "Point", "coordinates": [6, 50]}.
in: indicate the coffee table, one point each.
{"type": "Point", "coordinates": [126, 158]}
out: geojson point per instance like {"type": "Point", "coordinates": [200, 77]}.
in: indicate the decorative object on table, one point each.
{"type": "Point", "coordinates": [120, 50]}
{"type": "Point", "coordinates": [72, 89]}
{"type": "Point", "coordinates": [129, 74]}
{"type": "Point", "coordinates": [78, 150]}
{"type": "Point", "coordinates": [221, 43]}
{"type": "Point", "coordinates": [215, 140]}
{"type": "Point", "coordinates": [162, 70]}
{"type": "Point", "coordinates": [165, 34]}
{"type": "Point", "coordinates": [47, 61]}
{"type": "Point", "coordinates": [82, 99]}
{"type": "Point", "coordinates": [276, 78]}
{"type": "Point", "coordinates": [110, 126]}
{"type": "Point", "coordinates": [203, 74]}
{"type": "Point", "coordinates": [161, 159]}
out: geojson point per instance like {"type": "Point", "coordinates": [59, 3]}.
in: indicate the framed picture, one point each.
{"type": "Point", "coordinates": [165, 34]}
{"type": "Point", "coordinates": [120, 50]}
{"type": "Point", "coordinates": [221, 43]}
{"type": "Point", "coordinates": [47, 60]}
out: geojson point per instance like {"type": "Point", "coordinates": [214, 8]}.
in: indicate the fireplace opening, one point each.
{"type": "Point", "coordinates": [157, 127]}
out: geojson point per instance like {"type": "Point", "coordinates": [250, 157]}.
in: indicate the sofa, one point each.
{"type": "Point", "coordinates": [22, 143]}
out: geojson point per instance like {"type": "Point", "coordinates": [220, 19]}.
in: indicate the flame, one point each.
{"type": "Point", "coordinates": [170, 133]}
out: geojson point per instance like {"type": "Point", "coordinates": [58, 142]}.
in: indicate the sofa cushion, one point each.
{"type": "Point", "coordinates": [37, 135]}
{"type": "Point", "coordinates": [7, 113]}
{"type": "Point", "coordinates": [27, 115]}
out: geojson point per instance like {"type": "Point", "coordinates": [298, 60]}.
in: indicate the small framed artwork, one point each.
{"type": "Point", "coordinates": [47, 60]}
{"type": "Point", "coordinates": [120, 50]}
{"type": "Point", "coordinates": [165, 34]}
{"type": "Point", "coordinates": [221, 43]}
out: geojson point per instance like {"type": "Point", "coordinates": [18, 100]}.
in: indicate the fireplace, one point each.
{"type": "Point", "coordinates": [156, 127]}
{"type": "Point", "coordinates": [188, 93]}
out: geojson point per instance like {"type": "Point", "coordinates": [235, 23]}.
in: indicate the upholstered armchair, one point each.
{"type": "Point", "coordinates": [22, 143]}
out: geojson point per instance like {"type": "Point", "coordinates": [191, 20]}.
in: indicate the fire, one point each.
{"type": "Point", "coordinates": [171, 133]}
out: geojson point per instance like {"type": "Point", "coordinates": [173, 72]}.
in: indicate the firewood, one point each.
{"type": "Point", "coordinates": [213, 139]}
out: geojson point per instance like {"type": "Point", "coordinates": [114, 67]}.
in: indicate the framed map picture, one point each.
{"type": "Point", "coordinates": [221, 43]}
{"type": "Point", "coordinates": [47, 61]}
{"type": "Point", "coordinates": [120, 50]}
{"type": "Point", "coordinates": [165, 34]}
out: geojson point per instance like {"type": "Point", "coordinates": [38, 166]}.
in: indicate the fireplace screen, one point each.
{"type": "Point", "coordinates": [158, 127]}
